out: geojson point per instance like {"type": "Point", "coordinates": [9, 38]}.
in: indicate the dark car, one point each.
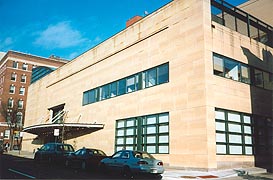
{"type": "Point", "coordinates": [53, 152]}
{"type": "Point", "coordinates": [129, 163]}
{"type": "Point", "coordinates": [85, 158]}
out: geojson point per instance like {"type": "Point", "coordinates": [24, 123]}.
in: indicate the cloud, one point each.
{"type": "Point", "coordinates": [60, 35]}
{"type": "Point", "coordinates": [6, 43]}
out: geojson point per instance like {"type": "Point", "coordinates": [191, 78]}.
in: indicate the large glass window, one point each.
{"type": "Point", "coordinates": [151, 77]}
{"type": "Point", "coordinates": [147, 133]}
{"type": "Point", "coordinates": [233, 132]}
{"type": "Point", "coordinates": [232, 70]}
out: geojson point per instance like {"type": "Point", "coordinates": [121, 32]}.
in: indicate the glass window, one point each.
{"type": "Point", "coordinates": [153, 137]}
{"type": "Point", "coordinates": [25, 66]}
{"type": "Point", "coordinates": [23, 78]}
{"type": "Point", "coordinates": [220, 137]}
{"type": "Point", "coordinates": [85, 98]}
{"type": "Point", "coordinates": [130, 83]}
{"type": "Point", "coordinates": [91, 96]}
{"type": "Point", "coordinates": [245, 74]}
{"type": "Point", "coordinates": [221, 149]}
{"type": "Point", "coordinates": [268, 81]}
{"type": "Point", "coordinates": [234, 117]}
{"type": "Point", "coordinates": [20, 104]}
{"type": "Point", "coordinates": [12, 89]}
{"type": "Point", "coordinates": [10, 103]}
{"type": "Point", "coordinates": [151, 77]}
{"type": "Point", "coordinates": [15, 64]}
{"type": "Point", "coordinates": [113, 89]}
{"type": "Point", "coordinates": [235, 149]}
{"type": "Point", "coordinates": [258, 78]}
{"type": "Point", "coordinates": [13, 77]}
{"type": "Point", "coordinates": [163, 73]}
{"type": "Point", "coordinates": [231, 70]}
{"type": "Point", "coordinates": [22, 91]}
{"type": "Point", "coordinates": [220, 115]}
{"type": "Point", "coordinates": [104, 92]}
{"type": "Point", "coordinates": [218, 65]}
{"type": "Point", "coordinates": [121, 86]}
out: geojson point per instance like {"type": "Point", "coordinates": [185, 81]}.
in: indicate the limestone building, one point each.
{"type": "Point", "coordinates": [190, 83]}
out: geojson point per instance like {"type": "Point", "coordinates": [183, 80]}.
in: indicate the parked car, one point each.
{"type": "Point", "coordinates": [53, 152]}
{"type": "Point", "coordinates": [129, 163]}
{"type": "Point", "coordinates": [85, 158]}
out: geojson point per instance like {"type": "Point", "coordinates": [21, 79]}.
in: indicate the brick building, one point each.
{"type": "Point", "coordinates": [15, 76]}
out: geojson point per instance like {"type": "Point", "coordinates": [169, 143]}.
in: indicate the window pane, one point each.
{"type": "Point", "coordinates": [258, 78]}
{"type": "Point", "coordinates": [235, 139]}
{"type": "Point", "coordinates": [163, 73]}
{"type": "Point", "coordinates": [151, 77]}
{"type": "Point", "coordinates": [268, 82]}
{"type": "Point", "coordinates": [163, 149]}
{"type": "Point", "coordinates": [234, 128]}
{"type": "Point", "coordinates": [151, 149]}
{"type": "Point", "coordinates": [91, 96]}
{"type": "Point", "coordinates": [129, 140]}
{"type": "Point", "coordinates": [163, 128]}
{"type": "Point", "coordinates": [231, 70]}
{"type": "Point", "coordinates": [130, 123]}
{"type": "Point", "coordinates": [248, 140]}
{"type": "Point", "coordinates": [120, 140]}
{"type": "Point", "coordinates": [247, 119]}
{"type": "Point", "coordinates": [120, 124]}
{"type": "Point", "coordinates": [113, 89]}
{"type": "Point", "coordinates": [130, 84]}
{"type": "Point", "coordinates": [247, 129]}
{"type": "Point", "coordinates": [218, 65]}
{"type": "Point", "coordinates": [151, 120]}
{"type": "Point", "coordinates": [221, 149]}
{"type": "Point", "coordinates": [234, 117]}
{"type": "Point", "coordinates": [163, 139]}
{"type": "Point", "coordinates": [138, 81]}
{"type": "Point", "coordinates": [130, 131]}
{"type": "Point", "coordinates": [163, 118]}
{"type": "Point", "coordinates": [220, 137]}
{"type": "Point", "coordinates": [220, 115]}
{"type": "Point", "coordinates": [220, 126]}
{"type": "Point", "coordinates": [120, 132]}
{"type": "Point", "coordinates": [151, 139]}
{"type": "Point", "coordinates": [104, 92]}
{"type": "Point", "coordinates": [248, 150]}
{"type": "Point", "coordinates": [151, 129]}
{"type": "Point", "coordinates": [245, 74]}
{"type": "Point", "coordinates": [121, 86]}
{"type": "Point", "coordinates": [235, 150]}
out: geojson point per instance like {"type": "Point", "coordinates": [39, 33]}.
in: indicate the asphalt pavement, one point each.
{"type": "Point", "coordinates": [179, 174]}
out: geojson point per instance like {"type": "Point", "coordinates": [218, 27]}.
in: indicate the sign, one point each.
{"type": "Point", "coordinates": [56, 132]}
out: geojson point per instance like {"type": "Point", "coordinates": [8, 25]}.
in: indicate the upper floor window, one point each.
{"type": "Point", "coordinates": [23, 78]}
{"type": "Point", "coordinates": [19, 118]}
{"type": "Point", "coordinates": [12, 89]}
{"type": "Point", "coordinates": [25, 66]}
{"type": "Point", "coordinates": [13, 76]}
{"type": "Point", "coordinates": [10, 103]}
{"type": "Point", "coordinates": [20, 104]}
{"type": "Point", "coordinates": [15, 64]}
{"type": "Point", "coordinates": [22, 91]}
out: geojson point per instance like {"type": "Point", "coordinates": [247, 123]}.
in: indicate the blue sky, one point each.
{"type": "Point", "coordinates": [66, 28]}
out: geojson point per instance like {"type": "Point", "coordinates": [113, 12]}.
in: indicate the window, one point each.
{"type": "Point", "coordinates": [23, 78]}
{"type": "Point", "coordinates": [151, 77]}
{"type": "Point", "coordinates": [13, 77]}
{"type": "Point", "coordinates": [245, 74]}
{"type": "Point", "coordinates": [19, 118]}
{"type": "Point", "coordinates": [258, 78]}
{"type": "Point", "coordinates": [10, 103]}
{"type": "Point", "coordinates": [233, 132]}
{"type": "Point", "coordinates": [12, 89]}
{"type": "Point", "coordinates": [15, 64]}
{"type": "Point", "coordinates": [25, 66]}
{"type": "Point", "coordinates": [22, 91]}
{"type": "Point", "coordinates": [147, 133]}
{"type": "Point", "coordinates": [218, 65]}
{"type": "Point", "coordinates": [20, 104]}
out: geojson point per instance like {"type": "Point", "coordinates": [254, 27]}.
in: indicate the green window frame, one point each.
{"type": "Point", "coordinates": [234, 132]}
{"type": "Point", "coordinates": [147, 133]}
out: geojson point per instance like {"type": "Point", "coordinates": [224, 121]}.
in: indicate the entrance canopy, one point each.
{"type": "Point", "coordinates": [67, 130]}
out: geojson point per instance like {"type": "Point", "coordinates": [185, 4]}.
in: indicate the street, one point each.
{"type": "Point", "coordinates": [13, 167]}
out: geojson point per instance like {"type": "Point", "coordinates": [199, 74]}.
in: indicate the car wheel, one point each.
{"type": "Point", "coordinates": [126, 173]}
{"type": "Point", "coordinates": [67, 164]}
{"type": "Point", "coordinates": [83, 165]}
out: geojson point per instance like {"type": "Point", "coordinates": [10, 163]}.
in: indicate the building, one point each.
{"type": "Point", "coordinates": [15, 76]}
{"type": "Point", "coordinates": [190, 83]}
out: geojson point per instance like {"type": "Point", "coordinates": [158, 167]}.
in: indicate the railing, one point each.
{"type": "Point", "coordinates": [242, 22]}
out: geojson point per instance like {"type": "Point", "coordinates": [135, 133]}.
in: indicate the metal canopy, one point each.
{"type": "Point", "coordinates": [70, 130]}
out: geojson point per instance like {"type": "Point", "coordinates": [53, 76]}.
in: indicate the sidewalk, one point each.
{"type": "Point", "coordinates": [177, 174]}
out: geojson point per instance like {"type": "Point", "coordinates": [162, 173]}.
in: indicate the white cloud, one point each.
{"type": "Point", "coordinates": [6, 43]}
{"type": "Point", "coordinates": [60, 35]}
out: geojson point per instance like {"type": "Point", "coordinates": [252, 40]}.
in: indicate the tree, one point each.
{"type": "Point", "coordinates": [12, 114]}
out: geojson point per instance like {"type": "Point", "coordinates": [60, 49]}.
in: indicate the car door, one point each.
{"type": "Point", "coordinates": [122, 161]}
{"type": "Point", "coordinates": [112, 162]}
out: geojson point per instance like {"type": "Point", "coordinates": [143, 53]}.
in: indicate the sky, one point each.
{"type": "Point", "coordinates": [67, 28]}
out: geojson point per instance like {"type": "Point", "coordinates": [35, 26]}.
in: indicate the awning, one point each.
{"type": "Point", "coordinates": [68, 130]}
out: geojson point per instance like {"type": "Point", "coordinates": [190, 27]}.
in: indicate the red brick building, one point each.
{"type": "Point", "coordinates": [15, 77]}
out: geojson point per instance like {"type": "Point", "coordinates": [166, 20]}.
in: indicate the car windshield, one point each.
{"type": "Point", "coordinates": [142, 155]}
{"type": "Point", "coordinates": [68, 148]}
